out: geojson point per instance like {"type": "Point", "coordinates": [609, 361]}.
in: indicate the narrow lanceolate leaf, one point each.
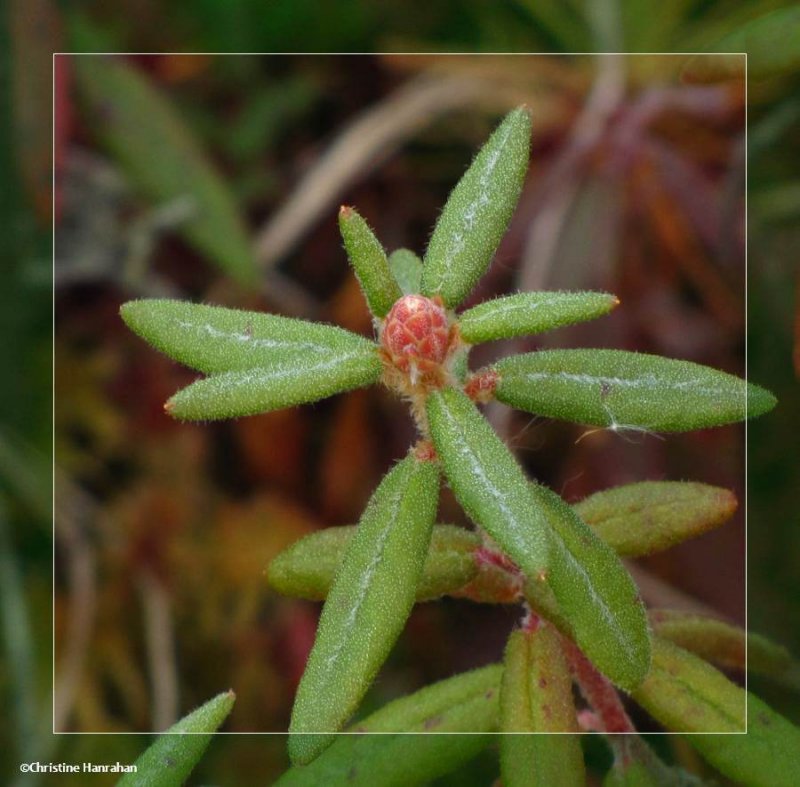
{"type": "Point", "coordinates": [536, 697]}
{"type": "Point", "coordinates": [726, 645]}
{"type": "Point", "coordinates": [306, 569]}
{"type": "Point", "coordinates": [214, 339]}
{"type": "Point", "coordinates": [367, 606]}
{"type": "Point", "coordinates": [465, 703]}
{"type": "Point", "coordinates": [640, 519]}
{"type": "Point", "coordinates": [686, 694]}
{"type": "Point", "coordinates": [623, 390]}
{"type": "Point", "coordinates": [595, 594]}
{"type": "Point", "coordinates": [531, 312]}
{"type": "Point", "coordinates": [286, 382]}
{"type": "Point", "coordinates": [169, 761]}
{"type": "Point", "coordinates": [160, 157]}
{"type": "Point", "coordinates": [487, 480]}
{"type": "Point", "coordinates": [369, 262]}
{"type": "Point", "coordinates": [406, 268]}
{"type": "Point", "coordinates": [477, 212]}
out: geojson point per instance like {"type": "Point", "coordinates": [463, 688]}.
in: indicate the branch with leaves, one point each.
{"type": "Point", "coordinates": [584, 618]}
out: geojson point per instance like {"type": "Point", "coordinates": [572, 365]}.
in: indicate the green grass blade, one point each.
{"type": "Point", "coordinates": [487, 480]}
{"type": "Point", "coordinates": [686, 694]}
{"type": "Point", "coordinates": [291, 380]}
{"type": "Point", "coordinates": [595, 594]}
{"type": "Point", "coordinates": [531, 312]}
{"type": "Point", "coordinates": [169, 761]}
{"type": "Point", "coordinates": [464, 703]}
{"type": "Point", "coordinates": [406, 268]}
{"type": "Point", "coordinates": [214, 339]}
{"type": "Point", "coordinates": [368, 605]}
{"type": "Point", "coordinates": [536, 697]}
{"type": "Point", "coordinates": [369, 262]}
{"type": "Point", "coordinates": [478, 211]}
{"type": "Point", "coordinates": [624, 390]}
{"type": "Point", "coordinates": [306, 568]}
{"type": "Point", "coordinates": [161, 157]}
{"type": "Point", "coordinates": [647, 517]}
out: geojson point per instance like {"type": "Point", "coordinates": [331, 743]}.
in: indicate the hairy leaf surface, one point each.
{"type": "Point", "coordinates": [647, 517]}
{"type": "Point", "coordinates": [686, 694]}
{"type": "Point", "coordinates": [367, 606]}
{"type": "Point", "coordinates": [466, 703]}
{"type": "Point", "coordinates": [536, 697]}
{"type": "Point", "coordinates": [369, 262]}
{"type": "Point", "coordinates": [287, 382]}
{"type": "Point", "coordinates": [214, 339]}
{"type": "Point", "coordinates": [487, 480]}
{"type": "Point", "coordinates": [531, 312]}
{"type": "Point", "coordinates": [406, 268]}
{"type": "Point", "coordinates": [169, 761]}
{"type": "Point", "coordinates": [625, 390]}
{"type": "Point", "coordinates": [595, 594]}
{"type": "Point", "coordinates": [306, 569]}
{"type": "Point", "coordinates": [478, 211]}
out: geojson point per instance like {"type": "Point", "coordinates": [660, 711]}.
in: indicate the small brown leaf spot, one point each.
{"type": "Point", "coordinates": [489, 694]}
{"type": "Point", "coordinates": [764, 719]}
{"type": "Point", "coordinates": [360, 729]}
{"type": "Point", "coordinates": [542, 683]}
{"type": "Point", "coordinates": [431, 722]}
{"type": "Point", "coordinates": [547, 711]}
{"type": "Point", "coordinates": [352, 773]}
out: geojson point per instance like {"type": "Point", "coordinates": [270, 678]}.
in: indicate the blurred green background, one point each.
{"type": "Point", "coordinates": [218, 178]}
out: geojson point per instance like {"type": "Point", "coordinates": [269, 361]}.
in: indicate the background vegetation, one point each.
{"type": "Point", "coordinates": [163, 530]}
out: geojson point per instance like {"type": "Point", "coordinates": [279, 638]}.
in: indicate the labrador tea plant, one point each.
{"type": "Point", "coordinates": [584, 622]}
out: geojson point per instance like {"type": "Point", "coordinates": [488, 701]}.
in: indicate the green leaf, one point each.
{"type": "Point", "coordinates": [624, 390]}
{"type": "Point", "coordinates": [686, 694]}
{"type": "Point", "coordinates": [487, 480]}
{"type": "Point", "coordinates": [633, 774]}
{"type": "Point", "coordinates": [287, 382]}
{"type": "Point", "coordinates": [647, 517]}
{"type": "Point", "coordinates": [531, 312]}
{"type": "Point", "coordinates": [369, 262]}
{"type": "Point", "coordinates": [477, 212]}
{"type": "Point", "coordinates": [406, 268]}
{"type": "Point", "coordinates": [767, 756]}
{"type": "Point", "coordinates": [536, 697]}
{"type": "Point", "coordinates": [214, 339]}
{"type": "Point", "coordinates": [595, 594]}
{"type": "Point", "coordinates": [368, 605]}
{"type": "Point", "coordinates": [306, 569]}
{"type": "Point", "coordinates": [466, 703]}
{"type": "Point", "coordinates": [725, 645]}
{"type": "Point", "coordinates": [169, 761]}
{"type": "Point", "coordinates": [159, 155]}
{"type": "Point", "coordinates": [772, 42]}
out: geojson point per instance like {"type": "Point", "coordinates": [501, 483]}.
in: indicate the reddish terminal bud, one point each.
{"type": "Point", "coordinates": [416, 331]}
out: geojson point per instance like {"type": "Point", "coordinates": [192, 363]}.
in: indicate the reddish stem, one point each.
{"type": "Point", "coordinates": [597, 690]}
